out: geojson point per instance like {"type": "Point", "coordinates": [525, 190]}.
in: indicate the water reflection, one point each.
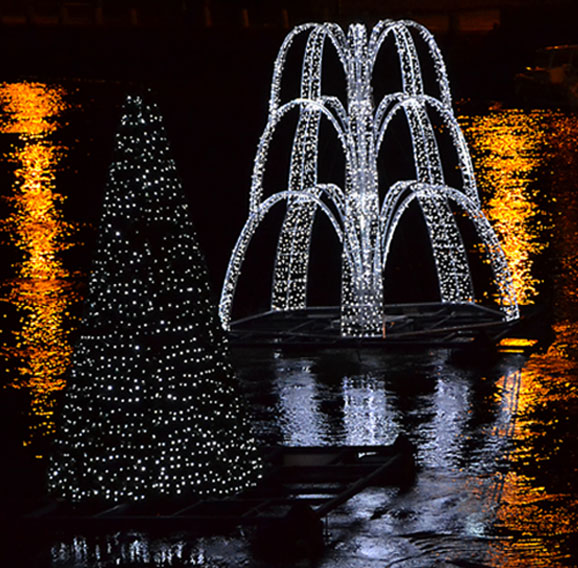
{"type": "Point", "coordinates": [488, 443]}
{"type": "Point", "coordinates": [139, 549]}
{"type": "Point", "coordinates": [496, 445]}
{"type": "Point", "coordinates": [538, 509]}
{"type": "Point", "coordinates": [539, 506]}
{"type": "Point", "coordinates": [537, 512]}
{"type": "Point", "coordinates": [443, 435]}
{"type": "Point", "coordinates": [368, 417]}
{"type": "Point", "coordinates": [508, 149]}
{"type": "Point", "coordinates": [298, 406]}
{"type": "Point", "coordinates": [315, 407]}
{"type": "Point", "coordinates": [42, 289]}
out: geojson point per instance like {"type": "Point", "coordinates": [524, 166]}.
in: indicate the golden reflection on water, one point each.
{"type": "Point", "coordinates": [537, 516]}
{"type": "Point", "coordinates": [30, 109]}
{"type": "Point", "coordinates": [538, 506]}
{"type": "Point", "coordinates": [508, 150]}
{"type": "Point", "coordinates": [41, 288]}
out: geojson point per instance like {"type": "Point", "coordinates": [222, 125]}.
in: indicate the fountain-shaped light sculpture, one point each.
{"type": "Point", "coordinates": [364, 226]}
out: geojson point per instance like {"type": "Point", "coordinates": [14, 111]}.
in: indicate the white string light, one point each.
{"type": "Point", "coordinates": [152, 407]}
{"type": "Point", "coordinates": [363, 225]}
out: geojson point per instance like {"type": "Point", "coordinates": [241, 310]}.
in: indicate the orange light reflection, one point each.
{"type": "Point", "coordinates": [507, 153]}
{"type": "Point", "coordinates": [538, 519]}
{"type": "Point", "coordinates": [42, 288]}
{"type": "Point", "coordinates": [536, 509]}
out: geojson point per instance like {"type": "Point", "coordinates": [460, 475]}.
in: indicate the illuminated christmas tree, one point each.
{"type": "Point", "coordinates": [152, 407]}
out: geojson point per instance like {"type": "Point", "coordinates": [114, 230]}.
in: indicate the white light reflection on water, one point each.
{"type": "Point", "coordinates": [353, 409]}
{"type": "Point", "coordinates": [368, 418]}
{"type": "Point", "coordinates": [139, 549]}
{"type": "Point", "coordinates": [298, 406]}
{"type": "Point", "coordinates": [497, 482]}
{"type": "Point", "coordinates": [465, 487]}
{"type": "Point", "coordinates": [449, 513]}
{"type": "Point", "coordinates": [442, 436]}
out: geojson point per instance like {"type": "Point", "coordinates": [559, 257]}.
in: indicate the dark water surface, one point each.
{"type": "Point", "coordinates": [497, 443]}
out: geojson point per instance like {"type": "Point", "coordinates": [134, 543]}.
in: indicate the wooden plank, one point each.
{"type": "Point", "coordinates": [356, 487]}
{"type": "Point", "coordinates": [315, 474]}
{"type": "Point", "coordinates": [319, 477]}
{"type": "Point", "coordinates": [113, 511]}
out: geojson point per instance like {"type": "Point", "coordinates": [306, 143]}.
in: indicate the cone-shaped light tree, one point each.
{"type": "Point", "coordinates": [152, 407]}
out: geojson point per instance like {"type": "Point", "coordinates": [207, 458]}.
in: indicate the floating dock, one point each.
{"type": "Point", "coordinates": [299, 483]}
{"type": "Point", "coordinates": [404, 325]}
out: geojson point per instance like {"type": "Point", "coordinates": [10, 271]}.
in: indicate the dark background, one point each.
{"type": "Point", "coordinates": [209, 65]}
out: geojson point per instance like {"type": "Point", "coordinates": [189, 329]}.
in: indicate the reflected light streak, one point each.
{"type": "Point", "coordinates": [508, 148]}
{"type": "Point", "coordinates": [538, 520]}
{"type": "Point", "coordinates": [42, 288]}
{"type": "Point", "coordinates": [367, 416]}
{"type": "Point", "coordinates": [299, 415]}
{"type": "Point", "coordinates": [443, 436]}
{"type": "Point", "coordinates": [30, 110]}
{"type": "Point", "coordinates": [136, 548]}
{"type": "Point", "coordinates": [517, 342]}
{"type": "Point", "coordinates": [536, 506]}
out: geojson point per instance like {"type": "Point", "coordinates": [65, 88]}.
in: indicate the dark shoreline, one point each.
{"type": "Point", "coordinates": [481, 65]}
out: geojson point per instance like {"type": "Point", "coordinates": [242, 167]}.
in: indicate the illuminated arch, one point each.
{"type": "Point", "coordinates": [403, 194]}
{"type": "Point", "coordinates": [363, 224]}
{"type": "Point", "coordinates": [248, 231]}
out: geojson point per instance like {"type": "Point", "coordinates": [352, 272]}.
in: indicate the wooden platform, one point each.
{"type": "Point", "coordinates": [405, 325]}
{"type": "Point", "coordinates": [311, 479]}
